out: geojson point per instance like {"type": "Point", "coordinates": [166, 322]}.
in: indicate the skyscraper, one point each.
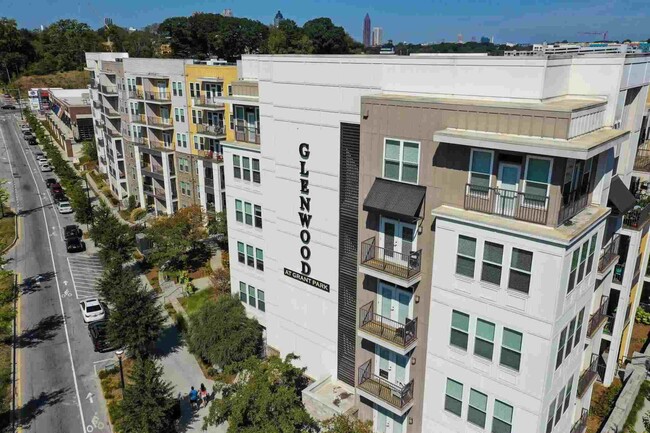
{"type": "Point", "coordinates": [377, 34]}
{"type": "Point", "coordinates": [366, 31]}
{"type": "Point", "coordinates": [278, 17]}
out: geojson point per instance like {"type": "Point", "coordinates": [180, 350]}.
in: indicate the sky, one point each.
{"type": "Point", "coordinates": [524, 21]}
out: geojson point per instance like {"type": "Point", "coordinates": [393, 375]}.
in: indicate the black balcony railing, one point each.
{"type": "Point", "coordinates": [158, 96]}
{"type": "Point", "coordinates": [164, 122]}
{"type": "Point", "coordinates": [609, 253]}
{"type": "Point", "coordinates": [396, 395]}
{"type": "Point", "coordinates": [510, 204]}
{"type": "Point", "coordinates": [637, 217]}
{"type": "Point", "coordinates": [580, 425]}
{"type": "Point", "coordinates": [215, 130]}
{"type": "Point", "coordinates": [398, 264]}
{"type": "Point", "coordinates": [572, 203]}
{"type": "Point", "coordinates": [619, 273]}
{"type": "Point", "coordinates": [588, 376]}
{"type": "Point", "coordinates": [109, 90]}
{"type": "Point", "coordinates": [401, 334]}
{"type": "Point", "coordinates": [599, 318]}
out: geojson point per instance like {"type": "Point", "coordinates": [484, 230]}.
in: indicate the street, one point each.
{"type": "Point", "coordinates": [57, 389]}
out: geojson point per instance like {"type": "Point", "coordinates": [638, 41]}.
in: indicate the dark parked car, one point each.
{"type": "Point", "coordinates": [27, 135]}
{"type": "Point", "coordinates": [59, 196]}
{"type": "Point", "coordinates": [72, 231]}
{"type": "Point", "coordinates": [97, 332]}
{"type": "Point", "coordinates": [32, 141]}
{"type": "Point", "coordinates": [56, 188]}
{"type": "Point", "coordinates": [49, 182]}
{"type": "Point", "coordinates": [8, 107]}
{"type": "Point", "coordinates": [74, 245]}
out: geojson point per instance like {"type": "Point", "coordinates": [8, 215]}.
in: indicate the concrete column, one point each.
{"type": "Point", "coordinates": [168, 183]}
{"type": "Point", "coordinates": [216, 178]}
{"type": "Point", "coordinates": [201, 176]}
{"type": "Point", "coordinates": [138, 175]}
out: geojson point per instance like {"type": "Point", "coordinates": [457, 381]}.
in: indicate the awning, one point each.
{"type": "Point", "coordinates": [620, 198]}
{"type": "Point", "coordinates": [399, 199]}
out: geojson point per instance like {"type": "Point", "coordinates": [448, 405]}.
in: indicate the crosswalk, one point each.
{"type": "Point", "coordinates": [86, 271]}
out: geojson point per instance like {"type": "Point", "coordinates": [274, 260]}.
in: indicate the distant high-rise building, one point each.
{"type": "Point", "coordinates": [227, 12]}
{"type": "Point", "coordinates": [278, 17]}
{"type": "Point", "coordinates": [377, 34]}
{"type": "Point", "coordinates": [459, 38]}
{"type": "Point", "coordinates": [485, 40]}
{"type": "Point", "coordinates": [366, 31]}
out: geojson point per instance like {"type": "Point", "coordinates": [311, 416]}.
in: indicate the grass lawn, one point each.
{"type": "Point", "coordinates": [7, 229]}
{"type": "Point", "coordinates": [195, 301]}
{"type": "Point", "coordinates": [6, 310]}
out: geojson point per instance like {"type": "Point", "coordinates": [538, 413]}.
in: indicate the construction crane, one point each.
{"type": "Point", "coordinates": [603, 34]}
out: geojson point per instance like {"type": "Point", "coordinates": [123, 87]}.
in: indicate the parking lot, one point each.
{"type": "Point", "coordinates": [85, 271]}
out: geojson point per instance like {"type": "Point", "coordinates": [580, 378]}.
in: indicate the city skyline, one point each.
{"type": "Point", "coordinates": [507, 21]}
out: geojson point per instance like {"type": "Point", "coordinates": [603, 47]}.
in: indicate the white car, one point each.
{"type": "Point", "coordinates": [92, 310]}
{"type": "Point", "coordinates": [41, 158]}
{"type": "Point", "coordinates": [45, 167]}
{"type": "Point", "coordinates": [64, 207]}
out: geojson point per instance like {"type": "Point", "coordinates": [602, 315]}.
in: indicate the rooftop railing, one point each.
{"type": "Point", "coordinates": [510, 204]}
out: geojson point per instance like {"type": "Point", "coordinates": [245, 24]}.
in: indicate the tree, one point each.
{"type": "Point", "coordinates": [219, 225]}
{"type": "Point", "coordinates": [4, 197]}
{"type": "Point", "coordinates": [221, 333]}
{"type": "Point", "coordinates": [15, 48]}
{"type": "Point", "coordinates": [89, 150]}
{"type": "Point", "coordinates": [136, 320]}
{"type": "Point", "coordinates": [83, 211]}
{"type": "Point", "coordinates": [220, 280]}
{"type": "Point", "coordinates": [115, 239]}
{"type": "Point", "coordinates": [148, 402]}
{"type": "Point", "coordinates": [326, 37]}
{"type": "Point", "coordinates": [345, 424]}
{"type": "Point", "coordinates": [265, 399]}
{"type": "Point", "coordinates": [177, 32]}
{"type": "Point", "coordinates": [116, 281]}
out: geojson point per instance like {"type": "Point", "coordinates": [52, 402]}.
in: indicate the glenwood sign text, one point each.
{"type": "Point", "coordinates": [305, 220]}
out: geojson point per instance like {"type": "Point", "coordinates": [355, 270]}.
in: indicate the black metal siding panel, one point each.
{"type": "Point", "coordinates": [348, 242]}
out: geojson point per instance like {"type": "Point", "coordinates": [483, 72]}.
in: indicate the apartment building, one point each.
{"type": "Point", "coordinates": [436, 232]}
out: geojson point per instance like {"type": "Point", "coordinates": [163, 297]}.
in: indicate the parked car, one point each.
{"type": "Point", "coordinates": [97, 332]}
{"type": "Point", "coordinates": [27, 135]}
{"type": "Point", "coordinates": [43, 162]}
{"type": "Point", "coordinates": [64, 207]}
{"type": "Point", "coordinates": [72, 231]}
{"type": "Point", "coordinates": [8, 107]}
{"type": "Point", "coordinates": [60, 196]}
{"type": "Point", "coordinates": [92, 310]}
{"type": "Point", "coordinates": [45, 168]}
{"type": "Point", "coordinates": [25, 128]}
{"type": "Point", "coordinates": [41, 158]}
{"type": "Point", "coordinates": [74, 245]}
{"type": "Point", "coordinates": [56, 188]}
{"type": "Point", "coordinates": [49, 182]}
{"type": "Point", "coordinates": [32, 141]}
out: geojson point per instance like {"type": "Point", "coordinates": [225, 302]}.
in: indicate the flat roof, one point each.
{"type": "Point", "coordinates": [563, 104]}
{"type": "Point", "coordinates": [72, 97]}
{"type": "Point", "coordinates": [582, 147]}
{"type": "Point", "coordinates": [563, 235]}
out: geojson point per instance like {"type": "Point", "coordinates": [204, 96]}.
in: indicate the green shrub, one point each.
{"type": "Point", "coordinates": [642, 316]}
{"type": "Point", "coordinates": [637, 406]}
{"type": "Point", "coordinates": [138, 213]}
{"type": "Point", "coordinates": [603, 405]}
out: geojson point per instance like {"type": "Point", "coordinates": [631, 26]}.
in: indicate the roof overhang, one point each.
{"type": "Point", "coordinates": [582, 147]}
{"type": "Point", "coordinates": [399, 199]}
{"type": "Point", "coordinates": [620, 197]}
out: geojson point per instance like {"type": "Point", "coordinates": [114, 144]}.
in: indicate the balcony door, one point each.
{"type": "Point", "coordinates": [391, 366]}
{"type": "Point", "coordinates": [398, 240]}
{"type": "Point", "coordinates": [162, 89]}
{"type": "Point", "coordinates": [507, 187]}
{"type": "Point", "coordinates": [251, 126]}
{"type": "Point", "coordinates": [393, 303]}
{"type": "Point", "coordinates": [164, 115]}
{"type": "Point", "coordinates": [384, 421]}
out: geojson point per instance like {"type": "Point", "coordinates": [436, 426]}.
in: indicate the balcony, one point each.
{"type": "Point", "coordinates": [158, 96]}
{"type": "Point", "coordinates": [506, 203]}
{"type": "Point", "coordinates": [139, 118]}
{"type": "Point", "coordinates": [93, 84]}
{"type": "Point", "coordinates": [207, 102]}
{"type": "Point", "coordinates": [153, 170]}
{"type": "Point", "coordinates": [212, 130]}
{"type": "Point", "coordinates": [598, 319]}
{"type": "Point", "coordinates": [136, 94]}
{"type": "Point", "coordinates": [100, 142]}
{"type": "Point", "coordinates": [108, 90]}
{"type": "Point", "coordinates": [572, 204]}
{"type": "Point", "coordinates": [109, 112]}
{"type": "Point", "coordinates": [97, 104]}
{"type": "Point", "coordinates": [399, 337]}
{"type": "Point", "coordinates": [619, 273]}
{"type": "Point", "coordinates": [580, 425]}
{"type": "Point", "coordinates": [589, 376]}
{"type": "Point", "coordinates": [160, 145]}
{"type": "Point", "coordinates": [247, 134]}
{"type": "Point", "coordinates": [114, 133]}
{"type": "Point", "coordinates": [160, 122]}
{"type": "Point", "coordinates": [211, 154]}
{"type": "Point", "coordinates": [152, 191]}
{"type": "Point", "coordinates": [381, 391]}
{"type": "Point", "coordinates": [138, 141]}
{"type": "Point", "coordinates": [609, 325]}
{"type": "Point", "coordinates": [637, 217]}
{"type": "Point", "coordinates": [393, 266]}
{"type": "Point", "coordinates": [609, 254]}
{"type": "Point", "coordinates": [642, 160]}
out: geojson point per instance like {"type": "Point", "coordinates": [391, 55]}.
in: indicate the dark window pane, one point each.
{"type": "Point", "coordinates": [256, 176]}
{"type": "Point", "coordinates": [260, 265]}
{"type": "Point", "coordinates": [465, 266]}
{"type": "Point", "coordinates": [241, 257]}
{"type": "Point", "coordinates": [491, 273]}
{"type": "Point", "coordinates": [452, 405]}
{"type": "Point", "coordinates": [510, 358]}
{"type": "Point", "coordinates": [458, 339]}
{"type": "Point", "coordinates": [521, 259]}
{"type": "Point", "coordinates": [483, 348]}
{"type": "Point", "coordinates": [519, 281]}
{"type": "Point", "coordinates": [499, 426]}
{"type": "Point", "coordinates": [476, 417]}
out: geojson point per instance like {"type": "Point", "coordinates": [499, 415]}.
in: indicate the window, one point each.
{"type": "Point", "coordinates": [176, 114]}
{"type": "Point", "coordinates": [560, 348]}
{"type": "Point", "coordinates": [184, 137]}
{"type": "Point", "coordinates": [480, 170]}
{"type": "Point", "coordinates": [558, 408]}
{"type": "Point", "coordinates": [454, 397]}
{"type": "Point", "coordinates": [484, 341]}
{"type": "Point", "coordinates": [174, 90]}
{"type": "Point", "coordinates": [239, 214]}
{"type": "Point", "coordinates": [401, 160]}
{"type": "Point", "coordinates": [569, 340]}
{"type": "Point", "coordinates": [520, 268]}
{"type": "Point", "coordinates": [567, 395]}
{"type": "Point", "coordinates": [583, 261]}
{"type": "Point", "coordinates": [465, 258]}
{"type": "Point", "coordinates": [492, 259]}
{"type": "Point", "coordinates": [538, 177]}
{"type": "Point", "coordinates": [242, 292]}
{"type": "Point", "coordinates": [581, 317]}
{"type": "Point", "coordinates": [511, 349]}
{"type": "Point", "coordinates": [178, 139]}
{"type": "Point", "coordinates": [549, 419]}
{"type": "Point", "coordinates": [192, 90]}
{"type": "Point", "coordinates": [248, 213]}
{"type": "Point", "coordinates": [236, 166]}
{"type": "Point", "coordinates": [196, 142]}
{"type": "Point", "coordinates": [229, 89]}
{"type": "Point", "coordinates": [251, 296]}
{"type": "Point", "coordinates": [592, 249]}
{"type": "Point", "coordinates": [476, 412]}
{"type": "Point", "coordinates": [246, 168]}
{"type": "Point", "coordinates": [575, 259]}
{"type": "Point", "coordinates": [182, 113]}
{"type": "Point", "coordinates": [459, 329]}
{"type": "Point", "coordinates": [256, 170]}
{"type": "Point", "coordinates": [194, 116]}
{"type": "Point", "coordinates": [261, 305]}
{"type": "Point", "coordinates": [502, 420]}
{"type": "Point", "coordinates": [259, 257]}
{"type": "Point", "coordinates": [241, 256]}
{"type": "Point", "coordinates": [250, 260]}
{"type": "Point", "coordinates": [179, 85]}
{"type": "Point", "coordinates": [258, 216]}
{"type": "Point", "coordinates": [199, 117]}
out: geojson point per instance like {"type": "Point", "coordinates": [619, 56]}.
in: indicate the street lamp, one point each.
{"type": "Point", "coordinates": [119, 354]}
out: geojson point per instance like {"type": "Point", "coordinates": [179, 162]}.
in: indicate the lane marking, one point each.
{"type": "Point", "coordinates": [74, 284]}
{"type": "Point", "coordinates": [56, 278]}
{"type": "Point", "coordinates": [18, 372]}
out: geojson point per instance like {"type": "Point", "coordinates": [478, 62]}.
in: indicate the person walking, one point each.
{"type": "Point", "coordinates": [194, 398]}
{"type": "Point", "coordinates": [204, 395]}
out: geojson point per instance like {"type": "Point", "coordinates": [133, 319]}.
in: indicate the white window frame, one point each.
{"type": "Point", "coordinates": [548, 181]}
{"type": "Point", "coordinates": [401, 160]}
{"type": "Point", "coordinates": [469, 169]}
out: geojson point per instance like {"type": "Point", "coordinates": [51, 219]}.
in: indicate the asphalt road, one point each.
{"type": "Point", "coordinates": [58, 389]}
